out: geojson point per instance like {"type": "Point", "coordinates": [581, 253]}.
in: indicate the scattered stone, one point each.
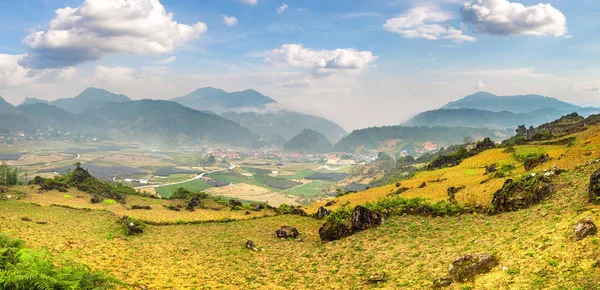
{"type": "Point", "coordinates": [250, 245]}
{"type": "Point", "coordinates": [41, 223]}
{"type": "Point", "coordinates": [597, 263]}
{"type": "Point", "coordinates": [322, 213]}
{"type": "Point", "coordinates": [140, 287]}
{"type": "Point", "coordinates": [425, 210]}
{"type": "Point", "coordinates": [247, 213]}
{"type": "Point", "coordinates": [423, 185]}
{"type": "Point", "coordinates": [286, 232]}
{"type": "Point", "coordinates": [330, 203]}
{"type": "Point", "coordinates": [398, 184]}
{"type": "Point", "coordinates": [26, 219]}
{"type": "Point", "coordinates": [142, 207]}
{"type": "Point", "coordinates": [235, 203]}
{"type": "Point", "coordinates": [595, 187]}
{"type": "Point", "coordinates": [172, 207]}
{"type": "Point", "coordinates": [193, 203]}
{"type": "Point", "coordinates": [363, 218]}
{"type": "Point", "coordinates": [96, 199]}
{"type": "Point", "coordinates": [401, 190]}
{"type": "Point", "coordinates": [377, 278]}
{"type": "Point", "coordinates": [452, 191]}
{"type": "Point", "coordinates": [584, 228]}
{"type": "Point", "coordinates": [520, 194]}
{"type": "Point", "coordinates": [441, 282]}
{"type": "Point", "coordinates": [533, 162]}
{"type": "Point", "coordinates": [468, 266]}
{"type": "Point", "coordinates": [490, 169]}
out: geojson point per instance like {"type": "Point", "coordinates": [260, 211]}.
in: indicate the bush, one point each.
{"type": "Point", "coordinates": [22, 268]}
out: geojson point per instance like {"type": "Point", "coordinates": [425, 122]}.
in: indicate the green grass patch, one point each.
{"type": "Point", "coordinates": [193, 186]}
{"type": "Point", "coordinates": [312, 189]}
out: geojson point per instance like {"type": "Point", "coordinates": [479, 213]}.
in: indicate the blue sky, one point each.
{"type": "Point", "coordinates": [382, 59]}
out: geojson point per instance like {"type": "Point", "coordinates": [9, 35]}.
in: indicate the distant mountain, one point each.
{"type": "Point", "coordinates": [286, 124]}
{"type": "Point", "coordinates": [31, 101]}
{"type": "Point", "coordinates": [516, 104]}
{"type": "Point", "coordinates": [172, 122]}
{"type": "Point", "coordinates": [220, 101]}
{"type": "Point", "coordinates": [483, 119]}
{"type": "Point", "coordinates": [415, 140]}
{"type": "Point", "coordinates": [89, 99]}
{"type": "Point", "coordinates": [310, 141]}
{"type": "Point", "coordinates": [46, 115]}
{"type": "Point", "coordinates": [6, 107]}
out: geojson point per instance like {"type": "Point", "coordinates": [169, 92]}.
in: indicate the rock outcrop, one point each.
{"type": "Point", "coordinates": [363, 218]}
{"type": "Point", "coordinates": [594, 191]}
{"type": "Point", "coordinates": [468, 266]}
{"type": "Point", "coordinates": [322, 213]}
{"type": "Point", "coordinates": [584, 228]}
{"type": "Point", "coordinates": [287, 232]}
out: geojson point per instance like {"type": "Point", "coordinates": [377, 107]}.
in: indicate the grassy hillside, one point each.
{"type": "Point", "coordinates": [535, 247]}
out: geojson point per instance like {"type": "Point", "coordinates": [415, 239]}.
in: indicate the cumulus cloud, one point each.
{"type": "Point", "coordinates": [251, 2]}
{"type": "Point", "coordinates": [99, 28]}
{"type": "Point", "coordinates": [424, 22]}
{"type": "Point", "coordinates": [320, 62]}
{"type": "Point", "coordinates": [282, 8]}
{"type": "Point", "coordinates": [229, 20]}
{"type": "Point", "coordinates": [14, 75]}
{"type": "Point", "coordinates": [501, 17]}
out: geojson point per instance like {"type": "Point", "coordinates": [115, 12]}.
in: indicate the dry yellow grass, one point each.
{"type": "Point", "coordinates": [159, 213]}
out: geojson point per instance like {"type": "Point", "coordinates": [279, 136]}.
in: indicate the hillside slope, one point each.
{"type": "Point", "coordinates": [219, 101]}
{"type": "Point", "coordinates": [286, 124]}
{"type": "Point", "coordinates": [309, 141]}
{"type": "Point", "coordinates": [89, 99]}
{"type": "Point", "coordinates": [516, 104]}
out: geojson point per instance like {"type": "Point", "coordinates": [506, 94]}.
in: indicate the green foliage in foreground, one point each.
{"type": "Point", "coordinates": [26, 269]}
{"type": "Point", "coordinates": [8, 176]}
{"type": "Point", "coordinates": [81, 179]}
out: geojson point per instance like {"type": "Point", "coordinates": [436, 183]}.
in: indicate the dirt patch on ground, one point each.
{"type": "Point", "coordinates": [254, 193]}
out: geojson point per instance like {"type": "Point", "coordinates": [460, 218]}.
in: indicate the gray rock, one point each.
{"type": "Point", "coordinates": [595, 187]}
{"type": "Point", "coordinates": [363, 218]}
{"type": "Point", "coordinates": [322, 213]}
{"type": "Point", "coordinates": [468, 266]}
{"type": "Point", "coordinates": [584, 228]}
{"type": "Point", "coordinates": [287, 232]}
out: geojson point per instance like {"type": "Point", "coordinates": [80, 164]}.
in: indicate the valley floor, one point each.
{"type": "Point", "coordinates": [535, 247]}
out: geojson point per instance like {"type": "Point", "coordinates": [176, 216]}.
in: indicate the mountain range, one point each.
{"type": "Point", "coordinates": [310, 141]}
{"type": "Point", "coordinates": [486, 110]}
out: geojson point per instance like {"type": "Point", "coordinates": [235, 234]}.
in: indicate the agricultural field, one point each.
{"type": "Point", "coordinates": [197, 185]}
{"type": "Point", "coordinates": [255, 193]}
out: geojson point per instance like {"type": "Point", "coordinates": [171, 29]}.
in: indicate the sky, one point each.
{"type": "Point", "coordinates": [360, 63]}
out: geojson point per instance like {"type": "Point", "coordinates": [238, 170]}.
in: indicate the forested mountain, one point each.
{"type": "Point", "coordinates": [89, 99]}
{"type": "Point", "coordinates": [220, 101]}
{"type": "Point", "coordinates": [515, 104]}
{"type": "Point", "coordinates": [415, 140]}
{"type": "Point", "coordinates": [31, 101]}
{"type": "Point", "coordinates": [310, 141]}
{"type": "Point", "coordinates": [286, 124]}
{"type": "Point", "coordinates": [482, 119]}
{"type": "Point", "coordinates": [6, 107]}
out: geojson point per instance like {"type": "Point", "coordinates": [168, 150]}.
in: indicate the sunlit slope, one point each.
{"type": "Point", "coordinates": [479, 187]}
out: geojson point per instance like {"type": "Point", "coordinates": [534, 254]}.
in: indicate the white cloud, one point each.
{"type": "Point", "coordinates": [282, 8]}
{"type": "Point", "coordinates": [251, 2]}
{"type": "Point", "coordinates": [320, 62]}
{"type": "Point", "coordinates": [501, 17]}
{"type": "Point", "coordinates": [424, 22]}
{"type": "Point", "coordinates": [591, 89]}
{"type": "Point", "coordinates": [479, 86]}
{"type": "Point", "coordinates": [103, 27]}
{"type": "Point", "coordinates": [229, 20]}
{"type": "Point", "coordinates": [167, 60]}
{"type": "Point", "coordinates": [14, 75]}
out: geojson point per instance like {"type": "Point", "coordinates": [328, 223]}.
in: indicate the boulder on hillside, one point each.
{"type": "Point", "coordinates": [532, 162]}
{"type": "Point", "coordinates": [452, 191]}
{"type": "Point", "coordinates": [490, 169]}
{"type": "Point", "coordinates": [522, 193]}
{"type": "Point", "coordinates": [594, 193]}
{"type": "Point", "coordinates": [96, 199]}
{"type": "Point", "coordinates": [235, 203]}
{"type": "Point", "coordinates": [363, 218]}
{"type": "Point", "coordinates": [331, 231]}
{"type": "Point", "coordinates": [322, 213]}
{"type": "Point", "coordinates": [142, 207]}
{"type": "Point", "coordinates": [468, 266]}
{"type": "Point", "coordinates": [584, 228]}
{"type": "Point", "coordinates": [287, 232]}
{"type": "Point", "coordinates": [423, 185]}
{"type": "Point", "coordinates": [330, 203]}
